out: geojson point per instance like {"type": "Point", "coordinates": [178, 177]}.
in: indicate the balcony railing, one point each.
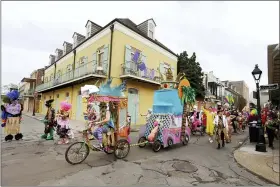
{"type": "Point", "coordinates": [90, 68]}
{"type": "Point", "coordinates": [29, 92]}
{"type": "Point", "coordinates": [140, 71]}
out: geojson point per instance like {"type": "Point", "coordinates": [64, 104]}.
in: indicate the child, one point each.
{"type": "Point", "coordinates": [63, 122]}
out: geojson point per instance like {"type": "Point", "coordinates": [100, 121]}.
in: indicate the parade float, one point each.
{"type": "Point", "coordinates": [113, 134]}
{"type": "Point", "coordinates": [11, 116]}
{"type": "Point", "coordinates": [168, 124]}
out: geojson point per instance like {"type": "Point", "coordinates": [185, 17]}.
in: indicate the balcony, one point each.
{"type": "Point", "coordinates": [29, 93]}
{"type": "Point", "coordinates": [84, 71]}
{"type": "Point", "coordinates": [140, 72]}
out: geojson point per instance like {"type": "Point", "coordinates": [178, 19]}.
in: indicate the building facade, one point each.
{"type": "Point", "coordinates": [27, 91]}
{"type": "Point", "coordinates": [242, 88]}
{"type": "Point", "coordinates": [213, 87]}
{"type": "Point", "coordinates": [273, 67]}
{"type": "Point", "coordinates": [230, 94]}
{"type": "Point", "coordinates": [121, 50]}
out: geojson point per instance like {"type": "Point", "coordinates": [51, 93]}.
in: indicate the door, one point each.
{"type": "Point", "coordinates": [79, 104]}
{"type": "Point", "coordinates": [133, 105]}
{"type": "Point", "coordinates": [56, 105]}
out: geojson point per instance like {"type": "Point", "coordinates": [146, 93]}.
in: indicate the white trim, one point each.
{"type": "Point", "coordinates": [90, 75]}
{"type": "Point", "coordinates": [143, 40]}
{"type": "Point", "coordinates": [133, 76]}
{"type": "Point", "coordinates": [94, 39]}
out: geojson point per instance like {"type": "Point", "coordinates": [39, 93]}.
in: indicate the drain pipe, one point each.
{"type": "Point", "coordinates": [111, 49]}
{"type": "Point", "coordinates": [74, 60]}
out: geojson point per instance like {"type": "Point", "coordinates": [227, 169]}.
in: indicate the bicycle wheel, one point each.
{"type": "Point", "coordinates": [80, 153]}
{"type": "Point", "coordinates": [122, 149]}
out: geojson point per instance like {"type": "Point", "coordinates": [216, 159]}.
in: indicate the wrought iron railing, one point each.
{"type": "Point", "coordinates": [29, 92]}
{"type": "Point", "coordinates": [79, 72]}
{"type": "Point", "coordinates": [140, 70]}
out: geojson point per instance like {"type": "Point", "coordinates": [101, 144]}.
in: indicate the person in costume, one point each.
{"type": "Point", "coordinates": [106, 127]}
{"type": "Point", "coordinates": [11, 115]}
{"type": "Point", "coordinates": [230, 127]}
{"type": "Point", "coordinates": [209, 123]}
{"type": "Point", "coordinates": [49, 121]}
{"type": "Point", "coordinates": [63, 123]}
{"type": "Point", "coordinates": [271, 127]}
{"type": "Point", "coordinates": [220, 126]}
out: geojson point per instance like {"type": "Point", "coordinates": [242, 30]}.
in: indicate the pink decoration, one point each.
{"type": "Point", "coordinates": [65, 106]}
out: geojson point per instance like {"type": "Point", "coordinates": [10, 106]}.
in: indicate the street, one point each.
{"type": "Point", "coordinates": [34, 162]}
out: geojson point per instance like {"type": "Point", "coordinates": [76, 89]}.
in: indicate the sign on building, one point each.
{"type": "Point", "coordinates": [269, 87]}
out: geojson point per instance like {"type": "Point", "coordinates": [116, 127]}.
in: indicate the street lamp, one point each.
{"type": "Point", "coordinates": [257, 73]}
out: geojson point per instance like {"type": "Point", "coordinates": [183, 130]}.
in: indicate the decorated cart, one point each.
{"type": "Point", "coordinates": [107, 104]}
{"type": "Point", "coordinates": [168, 124]}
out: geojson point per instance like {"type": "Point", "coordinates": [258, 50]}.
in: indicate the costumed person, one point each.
{"type": "Point", "coordinates": [221, 126]}
{"type": "Point", "coordinates": [195, 121]}
{"type": "Point", "coordinates": [209, 123]}
{"type": "Point", "coordinates": [49, 121]}
{"type": "Point", "coordinates": [234, 115]}
{"type": "Point", "coordinates": [11, 115]}
{"type": "Point", "coordinates": [154, 131]}
{"type": "Point", "coordinates": [230, 127]}
{"type": "Point", "coordinates": [105, 128]}
{"type": "Point", "coordinates": [271, 127]}
{"type": "Point", "coordinates": [148, 115]}
{"type": "Point", "coordinates": [63, 123]}
{"type": "Point", "coordinates": [240, 122]}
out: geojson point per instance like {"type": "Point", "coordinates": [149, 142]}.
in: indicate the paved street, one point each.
{"type": "Point", "coordinates": [36, 162]}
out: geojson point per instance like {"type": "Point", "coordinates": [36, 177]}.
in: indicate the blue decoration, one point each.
{"type": "Point", "coordinates": [116, 91]}
{"type": "Point", "coordinates": [167, 101]}
{"type": "Point", "coordinates": [13, 95]}
{"type": "Point", "coordinates": [136, 56]}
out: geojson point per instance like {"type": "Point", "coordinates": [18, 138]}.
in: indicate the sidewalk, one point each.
{"type": "Point", "coordinates": [76, 125]}
{"type": "Point", "coordinates": [265, 165]}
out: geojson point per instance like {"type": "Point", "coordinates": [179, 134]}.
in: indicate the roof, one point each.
{"type": "Point", "coordinates": [148, 20]}
{"type": "Point", "coordinates": [131, 25]}
{"type": "Point", "coordinates": [125, 22]}
{"type": "Point", "coordinates": [93, 24]}
{"type": "Point", "coordinates": [78, 34]}
{"type": "Point", "coordinates": [67, 43]}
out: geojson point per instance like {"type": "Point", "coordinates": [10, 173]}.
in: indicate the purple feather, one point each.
{"type": "Point", "coordinates": [13, 95]}
{"type": "Point", "coordinates": [136, 56]}
{"type": "Point", "coordinates": [142, 66]}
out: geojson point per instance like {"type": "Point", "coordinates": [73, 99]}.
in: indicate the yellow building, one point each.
{"type": "Point", "coordinates": [121, 50]}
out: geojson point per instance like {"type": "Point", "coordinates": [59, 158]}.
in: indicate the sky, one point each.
{"type": "Point", "coordinates": [229, 38]}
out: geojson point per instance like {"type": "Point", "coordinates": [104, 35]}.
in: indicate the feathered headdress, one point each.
{"type": "Point", "coordinates": [13, 95]}
{"type": "Point", "coordinates": [64, 105]}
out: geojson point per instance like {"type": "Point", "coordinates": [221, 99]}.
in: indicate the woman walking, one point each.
{"type": "Point", "coordinates": [209, 123]}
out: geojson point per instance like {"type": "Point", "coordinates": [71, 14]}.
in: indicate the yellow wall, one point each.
{"type": "Point", "coordinates": [154, 58]}
{"type": "Point", "coordinates": [48, 72]}
{"type": "Point", "coordinates": [88, 51]}
{"type": "Point", "coordinates": [62, 65]}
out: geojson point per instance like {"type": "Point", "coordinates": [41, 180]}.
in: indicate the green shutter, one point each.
{"type": "Point", "coordinates": [94, 62]}
{"type": "Point", "coordinates": [127, 59]}
{"type": "Point", "coordinates": [105, 62]}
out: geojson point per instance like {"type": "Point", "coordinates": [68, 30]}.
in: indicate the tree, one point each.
{"type": "Point", "coordinates": [193, 72]}
{"type": "Point", "coordinates": [8, 87]}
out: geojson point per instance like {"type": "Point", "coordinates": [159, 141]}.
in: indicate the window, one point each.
{"type": "Point", "coordinates": [51, 77]}
{"type": "Point", "coordinates": [64, 50]}
{"type": "Point", "coordinates": [50, 97]}
{"type": "Point", "coordinates": [75, 40]}
{"type": "Point", "coordinates": [67, 94]}
{"type": "Point", "coordinates": [100, 58]}
{"type": "Point", "coordinates": [46, 79]}
{"type": "Point", "coordinates": [59, 73]}
{"type": "Point", "coordinates": [88, 30]}
{"type": "Point", "coordinates": [69, 67]}
{"type": "Point", "coordinates": [44, 97]}
{"type": "Point", "coordinates": [151, 34]}
{"type": "Point", "coordinates": [57, 95]}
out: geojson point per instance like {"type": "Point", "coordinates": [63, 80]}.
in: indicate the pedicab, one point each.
{"type": "Point", "coordinates": [114, 133]}
{"type": "Point", "coordinates": [168, 124]}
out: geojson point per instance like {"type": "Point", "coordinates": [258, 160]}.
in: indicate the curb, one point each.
{"type": "Point", "coordinates": [250, 171]}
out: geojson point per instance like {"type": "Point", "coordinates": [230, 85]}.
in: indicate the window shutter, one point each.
{"type": "Point", "coordinates": [94, 62]}
{"type": "Point", "coordinates": [105, 59]}
{"type": "Point", "coordinates": [144, 60]}
{"type": "Point", "coordinates": [127, 59]}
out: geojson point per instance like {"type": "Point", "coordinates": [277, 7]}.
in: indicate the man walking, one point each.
{"type": "Point", "coordinates": [221, 128]}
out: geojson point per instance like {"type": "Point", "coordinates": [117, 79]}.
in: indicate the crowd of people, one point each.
{"type": "Point", "coordinates": [223, 122]}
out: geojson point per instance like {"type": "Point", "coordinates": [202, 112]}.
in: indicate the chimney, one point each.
{"type": "Point", "coordinates": [77, 39]}
{"type": "Point", "coordinates": [59, 53]}
{"type": "Point", "coordinates": [92, 28]}
{"type": "Point", "coordinates": [52, 59]}
{"type": "Point", "coordinates": [67, 47]}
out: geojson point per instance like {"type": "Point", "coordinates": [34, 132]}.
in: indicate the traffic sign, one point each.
{"type": "Point", "coordinates": [269, 87]}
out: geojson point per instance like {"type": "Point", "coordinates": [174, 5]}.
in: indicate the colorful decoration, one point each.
{"type": "Point", "coordinates": [188, 95]}
{"type": "Point", "coordinates": [254, 112]}
{"type": "Point", "coordinates": [65, 106]}
{"type": "Point", "coordinates": [185, 83]}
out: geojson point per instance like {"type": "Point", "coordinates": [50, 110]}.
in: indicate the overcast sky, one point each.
{"type": "Point", "coordinates": [229, 38]}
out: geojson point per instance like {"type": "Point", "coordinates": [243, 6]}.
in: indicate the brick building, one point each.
{"type": "Point", "coordinates": [242, 88]}
{"type": "Point", "coordinates": [273, 67]}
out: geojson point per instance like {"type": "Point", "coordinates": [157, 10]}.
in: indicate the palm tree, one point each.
{"type": "Point", "coordinates": [188, 100]}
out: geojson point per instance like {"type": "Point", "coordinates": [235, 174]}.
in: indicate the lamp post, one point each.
{"type": "Point", "coordinates": [260, 146]}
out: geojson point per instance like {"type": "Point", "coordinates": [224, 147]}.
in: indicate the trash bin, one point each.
{"type": "Point", "coordinates": [253, 132]}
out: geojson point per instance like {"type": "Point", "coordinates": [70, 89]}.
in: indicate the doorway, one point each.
{"type": "Point", "coordinates": [133, 105]}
